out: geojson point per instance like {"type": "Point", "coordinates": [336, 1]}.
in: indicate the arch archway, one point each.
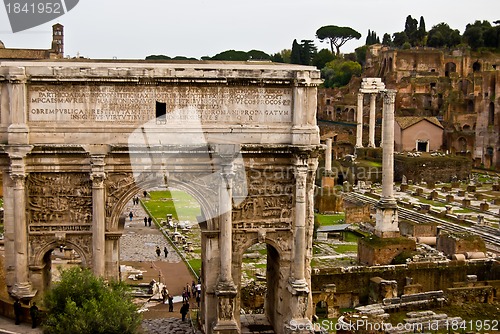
{"type": "Point", "coordinates": [476, 67]}
{"type": "Point", "coordinates": [450, 67]}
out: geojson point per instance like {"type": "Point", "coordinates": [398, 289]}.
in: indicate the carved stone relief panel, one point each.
{"type": "Point", "coordinates": [116, 185]}
{"type": "Point", "coordinates": [58, 201]}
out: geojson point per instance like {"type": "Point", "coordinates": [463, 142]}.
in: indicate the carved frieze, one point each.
{"type": "Point", "coordinates": [58, 199]}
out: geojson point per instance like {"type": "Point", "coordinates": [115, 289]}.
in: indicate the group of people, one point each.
{"type": "Point", "coordinates": [18, 311]}
{"type": "Point", "coordinates": [167, 297]}
{"type": "Point", "coordinates": [147, 220]}
{"type": "Point", "coordinates": [135, 200]}
{"type": "Point", "coordinates": [192, 291]}
{"type": "Point", "coordinates": [158, 251]}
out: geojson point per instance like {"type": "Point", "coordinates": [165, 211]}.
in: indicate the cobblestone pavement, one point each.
{"type": "Point", "coordinates": [168, 325]}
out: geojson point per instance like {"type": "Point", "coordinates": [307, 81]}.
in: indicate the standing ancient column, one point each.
{"type": "Point", "coordinates": [328, 156]}
{"type": "Point", "coordinates": [359, 121]}
{"type": "Point", "coordinates": [388, 148]}
{"type": "Point", "coordinates": [22, 287]}
{"type": "Point", "coordinates": [226, 289]}
{"type": "Point", "coordinates": [299, 244]}
{"type": "Point", "coordinates": [98, 214]}
{"type": "Point", "coordinates": [225, 223]}
{"type": "Point", "coordinates": [371, 130]}
{"type": "Point", "coordinates": [387, 210]}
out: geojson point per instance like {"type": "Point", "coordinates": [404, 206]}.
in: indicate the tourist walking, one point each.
{"type": "Point", "coordinates": [188, 291]}
{"type": "Point", "coordinates": [184, 310]}
{"type": "Point", "coordinates": [34, 315]}
{"type": "Point", "coordinates": [145, 221]}
{"type": "Point", "coordinates": [131, 215]}
{"type": "Point", "coordinates": [149, 221]}
{"type": "Point", "coordinates": [164, 294]}
{"type": "Point", "coordinates": [170, 303]}
{"type": "Point", "coordinates": [158, 251]}
{"type": "Point", "coordinates": [165, 250]}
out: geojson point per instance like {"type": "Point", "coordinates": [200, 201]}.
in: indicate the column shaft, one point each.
{"type": "Point", "coordinates": [371, 130]}
{"type": "Point", "coordinates": [225, 223]}
{"type": "Point", "coordinates": [20, 230]}
{"type": "Point", "coordinates": [98, 215]}
{"type": "Point", "coordinates": [328, 156]}
{"type": "Point", "coordinates": [359, 121]}
{"type": "Point", "coordinates": [299, 226]}
{"type": "Point", "coordinates": [388, 146]}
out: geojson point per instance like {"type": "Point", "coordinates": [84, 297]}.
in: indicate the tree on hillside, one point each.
{"type": "Point", "coordinates": [387, 40]}
{"type": "Point", "coordinates": [337, 36]}
{"type": "Point", "coordinates": [441, 35]}
{"type": "Point", "coordinates": [258, 55]}
{"type": "Point", "coordinates": [82, 303]}
{"type": "Point", "coordinates": [372, 38]}
{"type": "Point", "coordinates": [308, 51]}
{"type": "Point", "coordinates": [421, 33]}
{"type": "Point", "coordinates": [399, 38]}
{"type": "Point", "coordinates": [474, 34]}
{"type": "Point", "coordinates": [296, 56]}
{"type": "Point", "coordinates": [339, 72]}
{"type": "Point", "coordinates": [411, 28]}
{"type": "Point", "coordinates": [322, 57]}
{"type": "Point", "coordinates": [231, 55]}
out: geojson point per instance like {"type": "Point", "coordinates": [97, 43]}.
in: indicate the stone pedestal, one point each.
{"type": "Point", "coordinates": [419, 191]}
{"type": "Point", "coordinates": [449, 198]}
{"type": "Point", "coordinates": [466, 202]}
{"type": "Point", "coordinates": [455, 184]}
{"type": "Point", "coordinates": [471, 188]}
{"type": "Point", "coordinates": [404, 187]}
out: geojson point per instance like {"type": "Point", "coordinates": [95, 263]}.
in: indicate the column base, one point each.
{"type": "Point", "coordinates": [226, 327]}
{"type": "Point", "coordinates": [23, 291]}
{"type": "Point", "coordinates": [298, 287]}
{"type": "Point", "coordinates": [387, 223]}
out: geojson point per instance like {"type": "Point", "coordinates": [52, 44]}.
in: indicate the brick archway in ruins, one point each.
{"type": "Point", "coordinates": [80, 138]}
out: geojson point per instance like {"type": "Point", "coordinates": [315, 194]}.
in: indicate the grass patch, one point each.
{"type": "Point", "coordinates": [350, 237]}
{"type": "Point", "coordinates": [179, 204]}
{"type": "Point", "coordinates": [196, 265]}
{"type": "Point", "coordinates": [324, 220]}
{"type": "Point", "coordinates": [345, 248]}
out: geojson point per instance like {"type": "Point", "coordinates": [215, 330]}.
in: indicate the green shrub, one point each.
{"type": "Point", "coordinates": [82, 303]}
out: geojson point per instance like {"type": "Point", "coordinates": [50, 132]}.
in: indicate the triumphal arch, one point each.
{"type": "Point", "coordinates": [80, 138]}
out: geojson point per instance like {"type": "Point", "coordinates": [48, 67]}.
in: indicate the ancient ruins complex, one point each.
{"type": "Point", "coordinates": [79, 139]}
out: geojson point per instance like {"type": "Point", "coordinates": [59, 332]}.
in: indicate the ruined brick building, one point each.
{"type": "Point", "coordinates": [459, 87]}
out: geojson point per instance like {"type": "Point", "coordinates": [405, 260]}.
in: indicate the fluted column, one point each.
{"type": "Point", "coordinates": [371, 129]}
{"type": "Point", "coordinates": [387, 210]}
{"type": "Point", "coordinates": [98, 215]}
{"type": "Point", "coordinates": [388, 146]}
{"type": "Point", "coordinates": [359, 121]}
{"type": "Point", "coordinates": [299, 242]}
{"type": "Point", "coordinates": [225, 223]}
{"type": "Point", "coordinates": [226, 289]}
{"type": "Point", "coordinates": [22, 287]}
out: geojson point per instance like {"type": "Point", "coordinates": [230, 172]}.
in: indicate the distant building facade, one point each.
{"type": "Point", "coordinates": [56, 50]}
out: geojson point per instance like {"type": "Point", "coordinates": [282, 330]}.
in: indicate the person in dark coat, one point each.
{"type": "Point", "coordinates": [149, 221]}
{"type": "Point", "coordinates": [158, 251]}
{"type": "Point", "coordinates": [145, 221]}
{"type": "Point", "coordinates": [170, 303]}
{"type": "Point", "coordinates": [165, 250]}
{"type": "Point", "coordinates": [34, 315]}
{"type": "Point", "coordinates": [131, 215]}
{"type": "Point", "coordinates": [18, 311]}
{"type": "Point", "coordinates": [184, 310]}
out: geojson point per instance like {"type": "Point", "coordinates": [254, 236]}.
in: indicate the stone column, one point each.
{"type": "Point", "coordinates": [299, 244]}
{"type": "Point", "coordinates": [388, 148]}
{"type": "Point", "coordinates": [359, 121]}
{"type": "Point", "coordinates": [98, 215]}
{"type": "Point", "coordinates": [371, 131]}
{"type": "Point", "coordinates": [328, 156]}
{"type": "Point", "coordinates": [298, 286]}
{"type": "Point", "coordinates": [22, 287]}
{"type": "Point", "coordinates": [387, 215]}
{"type": "Point", "coordinates": [226, 290]}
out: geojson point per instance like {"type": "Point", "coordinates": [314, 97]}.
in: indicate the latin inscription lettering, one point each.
{"type": "Point", "coordinates": [136, 104]}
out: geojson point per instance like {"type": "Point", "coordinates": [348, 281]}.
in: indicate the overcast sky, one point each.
{"type": "Point", "coordinates": [129, 29]}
